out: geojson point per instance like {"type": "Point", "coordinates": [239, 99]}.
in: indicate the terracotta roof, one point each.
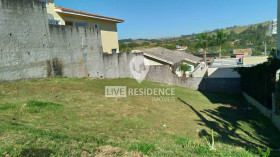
{"type": "Point", "coordinates": [89, 14]}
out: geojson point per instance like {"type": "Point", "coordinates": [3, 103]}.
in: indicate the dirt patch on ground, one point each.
{"type": "Point", "coordinates": [109, 151]}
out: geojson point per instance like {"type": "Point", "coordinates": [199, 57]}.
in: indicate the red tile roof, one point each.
{"type": "Point", "coordinates": [89, 14]}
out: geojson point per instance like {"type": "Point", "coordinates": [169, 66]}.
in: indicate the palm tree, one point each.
{"type": "Point", "coordinates": [184, 68]}
{"type": "Point", "coordinates": [203, 40]}
{"type": "Point", "coordinates": [221, 38]}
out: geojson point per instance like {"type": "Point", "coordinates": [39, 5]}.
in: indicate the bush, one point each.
{"type": "Point", "coordinates": [259, 81]}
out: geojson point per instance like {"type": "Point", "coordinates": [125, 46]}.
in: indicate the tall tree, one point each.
{"type": "Point", "coordinates": [203, 40]}
{"type": "Point", "coordinates": [221, 38]}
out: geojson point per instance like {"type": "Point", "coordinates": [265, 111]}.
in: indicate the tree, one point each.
{"type": "Point", "coordinates": [123, 47]}
{"type": "Point", "coordinates": [221, 38]}
{"type": "Point", "coordinates": [145, 43]}
{"type": "Point", "coordinates": [203, 40]}
{"type": "Point", "coordinates": [273, 52]}
{"type": "Point", "coordinates": [132, 45]}
{"type": "Point", "coordinates": [170, 46]}
{"type": "Point", "coordinates": [184, 68]}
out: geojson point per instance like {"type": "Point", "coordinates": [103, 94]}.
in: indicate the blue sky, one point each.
{"type": "Point", "coordinates": [172, 18]}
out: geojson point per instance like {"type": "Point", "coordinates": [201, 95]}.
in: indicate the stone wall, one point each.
{"type": "Point", "coordinates": [222, 85]}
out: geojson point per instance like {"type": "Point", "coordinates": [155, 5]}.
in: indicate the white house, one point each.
{"type": "Point", "coordinates": [163, 56]}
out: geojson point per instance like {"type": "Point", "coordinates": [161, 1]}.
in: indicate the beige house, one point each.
{"type": "Point", "coordinates": [253, 60]}
{"type": "Point", "coordinates": [107, 25]}
{"type": "Point", "coordinates": [239, 53]}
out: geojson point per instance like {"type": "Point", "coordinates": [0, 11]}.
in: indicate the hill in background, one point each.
{"type": "Point", "coordinates": [251, 36]}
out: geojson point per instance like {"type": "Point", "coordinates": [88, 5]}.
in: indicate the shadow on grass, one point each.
{"type": "Point", "coordinates": [33, 152]}
{"type": "Point", "coordinates": [236, 124]}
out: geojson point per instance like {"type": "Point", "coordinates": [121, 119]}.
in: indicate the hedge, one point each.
{"type": "Point", "coordinates": [259, 81]}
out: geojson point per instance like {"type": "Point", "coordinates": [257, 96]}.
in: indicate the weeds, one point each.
{"type": "Point", "coordinates": [142, 147]}
{"type": "Point", "coordinates": [264, 153]}
{"type": "Point", "coordinates": [212, 144]}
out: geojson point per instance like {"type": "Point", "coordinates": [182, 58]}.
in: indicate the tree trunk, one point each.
{"type": "Point", "coordinates": [220, 52]}
{"type": "Point", "coordinates": [184, 74]}
{"type": "Point", "coordinates": [204, 53]}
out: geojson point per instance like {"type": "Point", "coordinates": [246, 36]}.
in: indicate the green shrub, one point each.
{"type": "Point", "coordinates": [264, 153]}
{"type": "Point", "coordinates": [259, 81]}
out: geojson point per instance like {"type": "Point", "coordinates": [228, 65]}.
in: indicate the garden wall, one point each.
{"type": "Point", "coordinates": [31, 48]}
{"type": "Point", "coordinates": [75, 51]}
{"type": "Point", "coordinates": [24, 40]}
{"type": "Point", "coordinates": [265, 111]}
{"type": "Point", "coordinates": [222, 85]}
{"type": "Point", "coordinates": [117, 65]}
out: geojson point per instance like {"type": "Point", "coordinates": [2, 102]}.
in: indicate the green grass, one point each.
{"type": "Point", "coordinates": [64, 117]}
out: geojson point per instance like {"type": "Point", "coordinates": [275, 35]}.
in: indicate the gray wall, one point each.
{"type": "Point", "coordinates": [76, 51]}
{"type": "Point", "coordinates": [31, 48]}
{"type": "Point", "coordinates": [265, 111]}
{"type": "Point", "coordinates": [164, 75]}
{"type": "Point", "coordinates": [117, 65]}
{"type": "Point", "coordinates": [24, 40]}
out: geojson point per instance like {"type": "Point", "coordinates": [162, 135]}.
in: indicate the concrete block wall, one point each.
{"type": "Point", "coordinates": [222, 85]}
{"type": "Point", "coordinates": [31, 48]}
{"type": "Point", "coordinates": [265, 111]}
{"type": "Point", "coordinates": [76, 51]}
{"type": "Point", "coordinates": [117, 65]}
{"type": "Point", "coordinates": [23, 39]}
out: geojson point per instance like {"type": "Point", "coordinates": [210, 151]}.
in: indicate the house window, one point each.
{"type": "Point", "coordinates": [55, 21]}
{"type": "Point", "coordinates": [114, 51]}
{"type": "Point", "coordinates": [82, 24]}
{"type": "Point", "coordinates": [69, 23]}
{"type": "Point", "coordinates": [189, 68]}
{"type": "Point", "coordinates": [96, 25]}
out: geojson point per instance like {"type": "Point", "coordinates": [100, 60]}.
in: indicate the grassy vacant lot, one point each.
{"type": "Point", "coordinates": [72, 117]}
